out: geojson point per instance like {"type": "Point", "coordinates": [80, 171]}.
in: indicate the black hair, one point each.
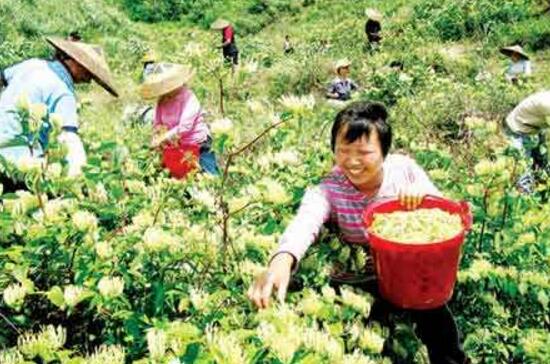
{"type": "Point", "coordinates": [75, 36]}
{"type": "Point", "coordinates": [361, 118]}
{"type": "Point", "coordinates": [397, 64]}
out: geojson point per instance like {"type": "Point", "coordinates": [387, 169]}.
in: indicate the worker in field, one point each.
{"type": "Point", "coordinates": [373, 27]}
{"type": "Point", "coordinates": [180, 129]}
{"type": "Point", "coordinates": [51, 83]}
{"type": "Point", "coordinates": [148, 61]}
{"type": "Point", "coordinates": [341, 87]}
{"type": "Point", "coordinates": [526, 127]}
{"type": "Point", "coordinates": [288, 47]}
{"type": "Point", "coordinates": [229, 47]}
{"type": "Point", "coordinates": [364, 173]}
{"type": "Point", "coordinates": [520, 66]}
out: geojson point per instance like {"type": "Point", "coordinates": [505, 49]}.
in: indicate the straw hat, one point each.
{"type": "Point", "coordinates": [344, 62]}
{"type": "Point", "coordinates": [373, 14]}
{"type": "Point", "coordinates": [89, 56]}
{"type": "Point", "coordinates": [165, 78]}
{"type": "Point", "coordinates": [508, 51]}
{"type": "Point", "coordinates": [220, 24]}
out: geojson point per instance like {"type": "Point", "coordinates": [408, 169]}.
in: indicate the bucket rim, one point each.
{"type": "Point", "coordinates": [464, 212]}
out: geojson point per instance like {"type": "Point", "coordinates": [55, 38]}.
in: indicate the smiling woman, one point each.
{"type": "Point", "coordinates": [364, 173]}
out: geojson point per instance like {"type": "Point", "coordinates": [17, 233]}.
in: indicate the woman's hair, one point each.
{"type": "Point", "coordinates": [361, 118]}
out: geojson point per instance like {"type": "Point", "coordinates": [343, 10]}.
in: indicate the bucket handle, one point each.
{"type": "Point", "coordinates": [465, 213]}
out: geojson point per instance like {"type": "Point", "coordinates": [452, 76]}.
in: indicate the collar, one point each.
{"type": "Point", "coordinates": [63, 73]}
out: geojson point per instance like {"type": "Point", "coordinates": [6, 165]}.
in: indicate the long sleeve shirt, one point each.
{"type": "Point", "coordinates": [47, 82]}
{"type": "Point", "coordinates": [336, 200]}
{"type": "Point", "coordinates": [531, 115]}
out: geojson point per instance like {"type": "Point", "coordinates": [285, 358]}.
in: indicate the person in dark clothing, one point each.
{"type": "Point", "coordinates": [229, 47]}
{"type": "Point", "coordinates": [373, 26]}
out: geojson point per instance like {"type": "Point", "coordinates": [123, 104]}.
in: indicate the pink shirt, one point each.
{"type": "Point", "coordinates": [336, 200]}
{"type": "Point", "coordinates": [182, 115]}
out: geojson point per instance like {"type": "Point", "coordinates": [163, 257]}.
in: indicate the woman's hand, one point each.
{"type": "Point", "coordinates": [410, 197]}
{"type": "Point", "coordinates": [277, 275]}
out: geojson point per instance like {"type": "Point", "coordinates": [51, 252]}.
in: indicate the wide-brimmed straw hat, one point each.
{"type": "Point", "coordinates": [89, 56]}
{"type": "Point", "coordinates": [165, 78]}
{"type": "Point", "coordinates": [341, 63]}
{"type": "Point", "coordinates": [373, 14]}
{"type": "Point", "coordinates": [508, 51]}
{"type": "Point", "coordinates": [220, 24]}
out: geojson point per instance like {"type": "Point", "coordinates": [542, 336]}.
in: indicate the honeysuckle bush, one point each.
{"type": "Point", "coordinates": [126, 264]}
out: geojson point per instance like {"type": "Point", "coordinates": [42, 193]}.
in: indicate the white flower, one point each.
{"type": "Point", "coordinates": [43, 343]}
{"type": "Point", "coordinates": [357, 358]}
{"type": "Point", "coordinates": [287, 157]}
{"type": "Point", "coordinates": [484, 167]}
{"type": "Point", "coordinates": [24, 202]}
{"type": "Point", "coordinates": [371, 341]}
{"type": "Point", "coordinates": [54, 171]}
{"type": "Point", "coordinates": [225, 348]}
{"type": "Point", "coordinates": [156, 343]}
{"type": "Point", "coordinates": [221, 126]}
{"type": "Point", "coordinates": [110, 287]}
{"type": "Point", "coordinates": [11, 356]}
{"type": "Point", "coordinates": [14, 295]}
{"type": "Point", "coordinates": [135, 186]}
{"type": "Point", "coordinates": [104, 250]}
{"type": "Point", "coordinates": [198, 298]}
{"type": "Point", "coordinates": [298, 103]}
{"type": "Point", "coordinates": [205, 197]}
{"type": "Point", "coordinates": [249, 268]}
{"type": "Point", "coordinates": [29, 164]}
{"type": "Point", "coordinates": [112, 354]}
{"type": "Point", "coordinates": [274, 192]}
{"type": "Point", "coordinates": [99, 194]}
{"type": "Point", "coordinates": [238, 203]}
{"type": "Point", "coordinates": [84, 221]}
{"type": "Point", "coordinates": [359, 303]}
{"type": "Point", "coordinates": [156, 239]}
{"type": "Point", "coordinates": [283, 344]}
{"type": "Point", "coordinates": [73, 295]}
{"type": "Point", "coordinates": [143, 218]}
{"type": "Point", "coordinates": [322, 342]}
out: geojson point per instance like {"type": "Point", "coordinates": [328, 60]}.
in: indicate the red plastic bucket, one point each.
{"type": "Point", "coordinates": [180, 159]}
{"type": "Point", "coordinates": [417, 276]}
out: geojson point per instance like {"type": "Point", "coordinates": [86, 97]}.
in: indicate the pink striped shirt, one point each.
{"type": "Point", "coordinates": [338, 201]}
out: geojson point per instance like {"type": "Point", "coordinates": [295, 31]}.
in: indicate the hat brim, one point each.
{"type": "Point", "coordinates": [220, 25]}
{"type": "Point", "coordinates": [157, 86]}
{"type": "Point", "coordinates": [99, 74]}
{"type": "Point", "coordinates": [509, 52]}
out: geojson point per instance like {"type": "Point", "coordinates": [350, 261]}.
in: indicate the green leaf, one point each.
{"type": "Point", "coordinates": [55, 295]}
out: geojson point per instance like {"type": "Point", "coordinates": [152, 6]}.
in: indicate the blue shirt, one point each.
{"type": "Point", "coordinates": [342, 87]}
{"type": "Point", "coordinates": [47, 82]}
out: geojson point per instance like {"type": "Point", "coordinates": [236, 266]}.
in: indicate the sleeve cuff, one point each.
{"type": "Point", "coordinates": [293, 267]}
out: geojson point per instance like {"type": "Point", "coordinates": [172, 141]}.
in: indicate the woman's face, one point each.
{"type": "Point", "coordinates": [361, 161]}
{"type": "Point", "coordinates": [170, 95]}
